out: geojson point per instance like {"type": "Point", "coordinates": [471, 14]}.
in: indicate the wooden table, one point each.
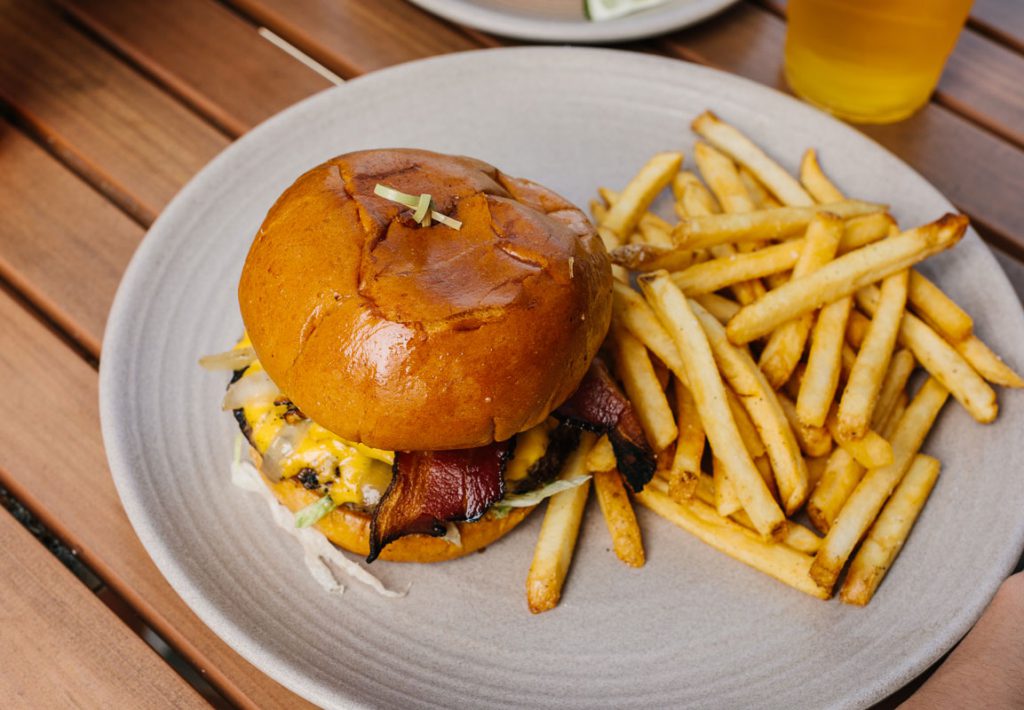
{"type": "Point", "coordinates": [109, 107]}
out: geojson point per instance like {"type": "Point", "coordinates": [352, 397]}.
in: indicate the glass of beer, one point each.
{"type": "Point", "coordinates": [870, 61]}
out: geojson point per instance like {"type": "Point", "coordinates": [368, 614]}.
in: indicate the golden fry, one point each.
{"type": "Point", "coordinates": [814, 180]}
{"type": "Point", "coordinates": [637, 196]}
{"type": "Point", "coordinates": [634, 368]}
{"type": "Point", "coordinates": [870, 450]}
{"type": "Point", "coordinates": [875, 488]}
{"type": "Point", "coordinates": [631, 311]}
{"type": "Point", "coordinates": [901, 366]}
{"type": "Point", "coordinates": [824, 363]}
{"type": "Point", "coordinates": [840, 476]}
{"type": "Point", "coordinates": [619, 516]}
{"type": "Point", "coordinates": [726, 500]}
{"type": "Point", "coordinates": [886, 537]}
{"type": "Point", "coordinates": [557, 540]}
{"type": "Point", "coordinates": [844, 276]}
{"type": "Point", "coordinates": [814, 441]}
{"type": "Point", "coordinates": [709, 395]}
{"type": "Point", "coordinates": [737, 146]}
{"type": "Point", "coordinates": [987, 363]}
{"type": "Point", "coordinates": [940, 359]}
{"type": "Point", "coordinates": [716, 274]}
{"type": "Point", "coordinates": [601, 456]}
{"type": "Point", "coordinates": [722, 178]}
{"type": "Point", "coordinates": [937, 309]}
{"type": "Point", "coordinates": [689, 451]}
{"type": "Point", "coordinates": [720, 307]}
{"type": "Point", "coordinates": [748, 432]}
{"type": "Point", "coordinates": [869, 369]}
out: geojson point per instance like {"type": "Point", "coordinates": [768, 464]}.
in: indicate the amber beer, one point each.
{"type": "Point", "coordinates": [871, 61]}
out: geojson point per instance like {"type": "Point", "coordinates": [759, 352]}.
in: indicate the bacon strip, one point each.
{"type": "Point", "coordinates": [601, 407]}
{"type": "Point", "coordinates": [431, 488]}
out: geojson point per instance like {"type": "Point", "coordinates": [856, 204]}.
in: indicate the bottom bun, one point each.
{"type": "Point", "coordinates": [350, 529]}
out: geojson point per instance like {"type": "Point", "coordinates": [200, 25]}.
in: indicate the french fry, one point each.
{"type": "Point", "coordinates": [707, 230]}
{"type": "Point", "coordinates": [726, 500]}
{"type": "Point", "coordinates": [727, 536]}
{"type": "Point", "coordinates": [877, 485]}
{"type": "Point", "coordinates": [557, 540]}
{"type": "Point", "coordinates": [709, 395]}
{"type": "Point", "coordinates": [737, 146]}
{"type": "Point", "coordinates": [764, 466]}
{"type": "Point", "coordinates": [987, 363]}
{"type": "Point", "coordinates": [759, 399]}
{"type": "Point", "coordinates": [865, 381]}
{"type": "Point", "coordinates": [844, 276]}
{"type": "Point", "coordinates": [824, 363]}
{"type": "Point", "coordinates": [901, 366]}
{"type": "Point", "coordinates": [840, 476]}
{"type": "Point", "coordinates": [937, 309]}
{"type": "Point", "coordinates": [632, 312]}
{"type": "Point", "coordinates": [685, 467]}
{"type": "Point", "coordinates": [634, 368]}
{"type": "Point", "coordinates": [748, 432]}
{"type": "Point", "coordinates": [815, 469]}
{"type": "Point", "coordinates": [619, 516]}
{"type": "Point", "coordinates": [815, 441]}
{"type": "Point", "coordinates": [870, 450]}
{"type": "Point", "coordinates": [601, 456]}
{"type": "Point", "coordinates": [637, 196]}
{"type": "Point", "coordinates": [716, 274]}
{"type": "Point", "coordinates": [720, 307]}
{"type": "Point", "coordinates": [814, 180]}
{"type": "Point", "coordinates": [722, 178]}
{"type": "Point", "coordinates": [761, 197]}
{"type": "Point", "coordinates": [888, 423]}
{"type": "Point", "coordinates": [940, 359]}
{"type": "Point", "coordinates": [785, 345]}
{"type": "Point", "coordinates": [645, 257]}
{"type": "Point", "coordinates": [886, 537]}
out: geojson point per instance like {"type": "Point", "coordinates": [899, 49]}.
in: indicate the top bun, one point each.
{"type": "Point", "coordinates": [406, 337]}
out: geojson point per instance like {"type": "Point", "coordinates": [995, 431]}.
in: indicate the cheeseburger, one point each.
{"type": "Point", "coordinates": [421, 352]}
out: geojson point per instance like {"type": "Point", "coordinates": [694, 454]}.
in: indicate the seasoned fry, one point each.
{"type": "Point", "coordinates": [557, 540]}
{"type": "Point", "coordinates": [761, 197]}
{"type": "Point", "coordinates": [700, 520]}
{"type": "Point", "coordinates": [723, 179]}
{"type": "Point", "coordinates": [709, 230]}
{"type": "Point", "coordinates": [865, 381]}
{"type": "Point", "coordinates": [748, 432]}
{"type": "Point", "coordinates": [759, 399]}
{"type": "Point", "coordinates": [637, 196]}
{"type": "Point", "coordinates": [815, 469]}
{"type": "Point", "coordinates": [682, 477]}
{"type": "Point", "coordinates": [887, 424]}
{"type": "Point", "coordinates": [631, 311]}
{"type": "Point", "coordinates": [786, 344]}
{"type": "Point", "coordinates": [719, 306]}
{"type": "Point", "coordinates": [870, 450]}
{"type": "Point", "coordinates": [737, 146]}
{"type": "Point", "coordinates": [901, 366]}
{"type": "Point", "coordinates": [814, 440]}
{"type": "Point", "coordinates": [634, 368]}
{"type": "Point", "coordinates": [875, 488]}
{"type": "Point", "coordinates": [824, 363]}
{"type": "Point", "coordinates": [726, 500]}
{"type": "Point", "coordinates": [886, 537]}
{"type": "Point", "coordinates": [840, 476]}
{"type": "Point", "coordinates": [709, 395]}
{"type": "Point", "coordinates": [645, 257]}
{"type": "Point", "coordinates": [601, 456]}
{"type": "Point", "coordinates": [987, 363]}
{"type": "Point", "coordinates": [814, 180]}
{"type": "Point", "coordinates": [717, 274]}
{"type": "Point", "coordinates": [940, 359]}
{"type": "Point", "coordinates": [937, 309]}
{"type": "Point", "coordinates": [619, 516]}
{"type": "Point", "coordinates": [844, 276]}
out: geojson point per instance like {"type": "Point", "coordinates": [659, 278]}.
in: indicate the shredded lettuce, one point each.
{"type": "Point", "coordinates": [525, 500]}
{"type": "Point", "coordinates": [312, 513]}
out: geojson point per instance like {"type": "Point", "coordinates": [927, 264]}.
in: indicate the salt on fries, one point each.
{"type": "Point", "coordinates": [768, 348]}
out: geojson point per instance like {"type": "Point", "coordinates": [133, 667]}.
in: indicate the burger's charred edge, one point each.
{"type": "Point", "coordinates": [412, 505]}
{"type": "Point", "coordinates": [562, 442]}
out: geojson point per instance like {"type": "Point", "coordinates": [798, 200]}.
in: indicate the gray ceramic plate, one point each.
{"type": "Point", "coordinates": [692, 628]}
{"type": "Point", "coordinates": [564, 20]}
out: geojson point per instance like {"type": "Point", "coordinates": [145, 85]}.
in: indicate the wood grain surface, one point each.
{"type": "Point", "coordinates": [68, 486]}
{"type": "Point", "coordinates": [63, 647]}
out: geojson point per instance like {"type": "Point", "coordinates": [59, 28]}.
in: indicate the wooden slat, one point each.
{"type": "Point", "coordinates": [979, 172]}
{"type": "Point", "coordinates": [1001, 19]}
{"type": "Point", "coordinates": [51, 459]}
{"type": "Point", "coordinates": [134, 141]}
{"type": "Point", "coordinates": [63, 647]}
{"type": "Point", "coordinates": [68, 261]}
{"type": "Point", "coordinates": [981, 80]}
{"type": "Point", "coordinates": [205, 53]}
{"type": "Point", "coordinates": [352, 37]}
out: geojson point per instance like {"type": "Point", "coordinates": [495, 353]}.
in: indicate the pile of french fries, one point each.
{"type": "Point", "coordinates": [768, 340]}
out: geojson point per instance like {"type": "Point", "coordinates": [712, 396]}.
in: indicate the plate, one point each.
{"type": "Point", "coordinates": [692, 628]}
{"type": "Point", "coordinates": [564, 21]}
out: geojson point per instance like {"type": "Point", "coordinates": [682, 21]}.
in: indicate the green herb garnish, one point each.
{"type": "Point", "coordinates": [422, 206]}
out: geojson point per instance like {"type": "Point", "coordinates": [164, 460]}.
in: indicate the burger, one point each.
{"type": "Point", "coordinates": [421, 352]}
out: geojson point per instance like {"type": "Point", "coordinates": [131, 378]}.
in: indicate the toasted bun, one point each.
{"type": "Point", "coordinates": [406, 337]}
{"type": "Point", "coordinates": [350, 529]}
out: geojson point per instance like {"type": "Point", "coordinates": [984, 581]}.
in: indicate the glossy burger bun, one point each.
{"type": "Point", "coordinates": [406, 337]}
{"type": "Point", "coordinates": [350, 529]}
